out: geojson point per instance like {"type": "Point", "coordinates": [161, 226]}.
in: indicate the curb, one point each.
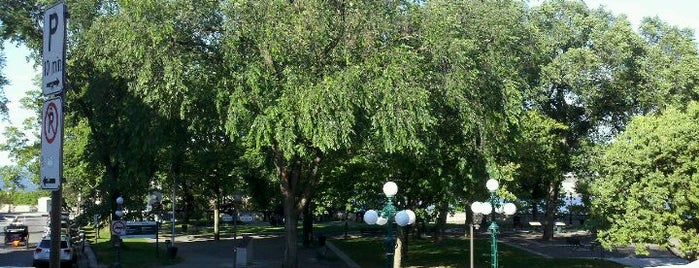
{"type": "Point", "coordinates": [525, 249]}
{"type": "Point", "coordinates": [342, 255]}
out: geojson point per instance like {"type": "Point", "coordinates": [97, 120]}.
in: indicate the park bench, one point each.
{"type": "Point", "coordinates": [535, 226]}
{"type": "Point", "coordinates": [575, 243]}
{"type": "Point", "coordinates": [559, 226]}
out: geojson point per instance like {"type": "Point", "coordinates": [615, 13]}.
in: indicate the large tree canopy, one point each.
{"type": "Point", "coordinates": [648, 186]}
{"type": "Point", "coordinates": [214, 96]}
{"type": "Point", "coordinates": [308, 78]}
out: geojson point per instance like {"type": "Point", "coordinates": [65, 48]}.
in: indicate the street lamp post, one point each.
{"type": "Point", "coordinates": [96, 218]}
{"type": "Point", "coordinates": [402, 218]}
{"type": "Point", "coordinates": [117, 240]}
{"type": "Point", "coordinates": [486, 208]}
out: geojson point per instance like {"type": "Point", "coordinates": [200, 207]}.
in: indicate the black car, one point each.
{"type": "Point", "coordinates": [17, 234]}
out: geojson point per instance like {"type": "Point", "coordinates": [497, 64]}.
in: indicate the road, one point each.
{"type": "Point", "coordinates": [22, 256]}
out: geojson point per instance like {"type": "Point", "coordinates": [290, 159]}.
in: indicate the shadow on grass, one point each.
{"type": "Point", "coordinates": [455, 253]}
{"type": "Point", "coordinates": [134, 253]}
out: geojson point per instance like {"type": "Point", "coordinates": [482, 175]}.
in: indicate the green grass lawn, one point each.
{"type": "Point", "coordinates": [367, 252]}
{"type": "Point", "coordinates": [134, 252]}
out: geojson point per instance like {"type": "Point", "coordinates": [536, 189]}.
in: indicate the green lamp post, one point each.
{"type": "Point", "coordinates": [486, 208]}
{"type": "Point", "coordinates": [384, 216]}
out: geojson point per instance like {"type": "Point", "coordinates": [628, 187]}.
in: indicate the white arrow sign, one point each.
{"type": "Point", "coordinates": [51, 144]}
{"type": "Point", "coordinates": [53, 64]}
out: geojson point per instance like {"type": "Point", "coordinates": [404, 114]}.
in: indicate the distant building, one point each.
{"type": "Point", "coordinates": [44, 205]}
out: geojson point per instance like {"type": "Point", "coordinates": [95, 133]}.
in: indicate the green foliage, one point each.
{"type": "Point", "coordinates": [3, 83]}
{"type": "Point", "coordinates": [28, 198]}
{"type": "Point", "coordinates": [647, 187]}
{"type": "Point", "coordinates": [23, 150]}
{"type": "Point", "coordinates": [540, 153]}
{"type": "Point", "coordinates": [329, 99]}
{"type": "Point", "coordinates": [301, 88]}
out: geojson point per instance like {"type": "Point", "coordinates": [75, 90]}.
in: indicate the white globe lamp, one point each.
{"type": "Point", "coordinates": [509, 209]}
{"type": "Point", "coordinates": [402, 218]}
{"type": "Point", "coordinates": [411, 216]}
{"type": "Point", "coordinates": [370, 217]}
{"type": "Point", "coordinates": [492, 185]}
{"type": "Point", "coordinates": [390, 189]}
{"type": "Point", "coordinates": [486, 208]}
{"type": "Point", "coordinates": [476, 207]}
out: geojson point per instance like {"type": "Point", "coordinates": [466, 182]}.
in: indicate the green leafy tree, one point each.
{"type": "Point", "coordinates": [3, 83]}
{"type": "Point", "coordinates": [309, 78]}
{"type": "Point", "coordinates": [539, 152]}
{"type": "Point", "coordinates": [647, 187]}
{"type": "Point", "coordinates": [668, 68]}
{"type": "Point", "coordinates": [23, 150]}
{"type": "Point", "coordinates": [586, 79]}
{"type": "Point", "coordinates": [478, 55]}
{"type": "Point", "coordinates": [165, 55]}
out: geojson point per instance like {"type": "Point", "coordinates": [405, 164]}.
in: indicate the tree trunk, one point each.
{"type": "Point", "coordinates": [187, 208]}
{"type": "Point", "coordinates": [295, 194]}
{"type": "Point", "coordinates": [442, 221]}
{"type": "Point", "coordinates": [288, 173]}
{"type": "Point", "coordinates": [112, 175]}
{"type": "Point", "coordinates": [217, 234]}
{"type": "Point", "coordinates": [551, 205]}
{"type": "Point", "coordinates": [535, 211]}
{"type": "Point", "coordinates": [291, 217]}
{"type": "Point", "coordinates": [307, 225]}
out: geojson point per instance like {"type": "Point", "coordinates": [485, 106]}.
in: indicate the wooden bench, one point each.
{"type": "Point", "coordinates": [559, 226]}
{"type": "Point", "coordinates": [574, 242]}
{"type": "Point", "coordinates": [535, 225]}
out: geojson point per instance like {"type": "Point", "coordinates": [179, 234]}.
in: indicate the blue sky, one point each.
{"type": "Point", "coordinates": [21, 73]}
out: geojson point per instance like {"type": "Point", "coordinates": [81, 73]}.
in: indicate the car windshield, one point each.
{"type": "Point", "coordinates": [47, 244]}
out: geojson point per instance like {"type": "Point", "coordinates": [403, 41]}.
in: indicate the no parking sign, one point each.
{"type": "Point", "coordinates": [51, 144]}
{"type": "Point", "coordinates": [118, 227]}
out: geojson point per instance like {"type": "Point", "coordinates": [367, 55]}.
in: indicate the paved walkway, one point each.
{"type": "Point", "coordinates": [267, 251]}
{"type": "Point", "coordinates": [564, 246]}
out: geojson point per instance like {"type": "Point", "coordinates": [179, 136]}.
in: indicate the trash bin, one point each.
{"type": "Point", "coordinates": [171, 252]}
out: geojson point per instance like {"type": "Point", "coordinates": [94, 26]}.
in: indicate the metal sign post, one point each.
{"type": "Point", "coordinates": [53, 85]}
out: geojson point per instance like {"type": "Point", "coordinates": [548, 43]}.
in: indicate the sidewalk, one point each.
{"type": "Point", "coordinates": [561, 247]}
{"type": "Point", "coordinates": [267, 250]}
